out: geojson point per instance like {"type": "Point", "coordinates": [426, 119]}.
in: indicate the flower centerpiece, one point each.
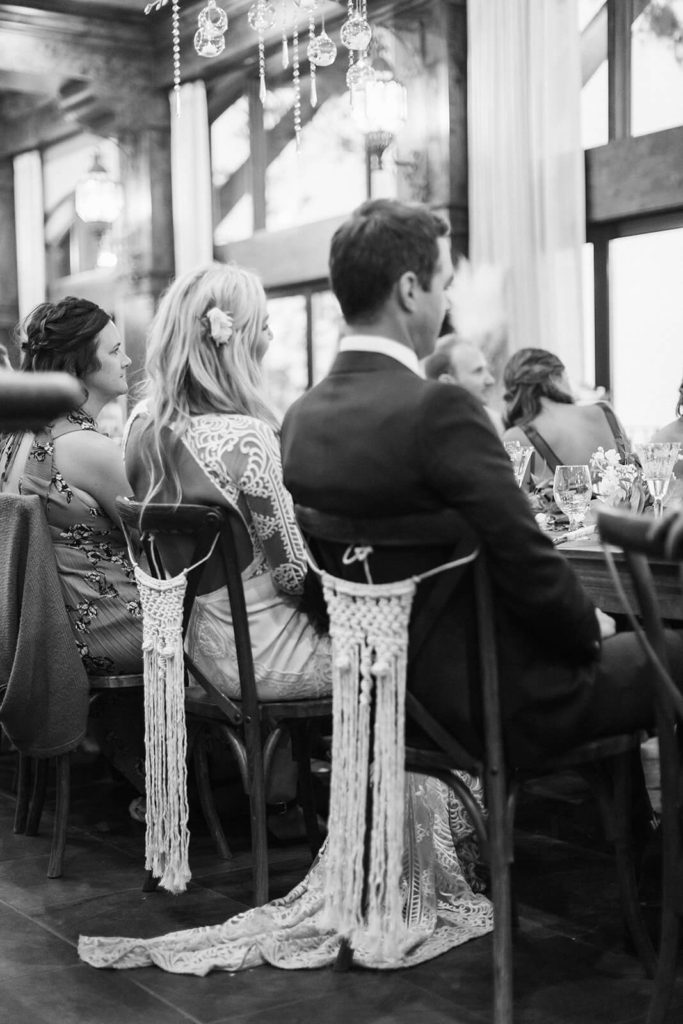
{"type": "Point", "coordinates": [617, 482]}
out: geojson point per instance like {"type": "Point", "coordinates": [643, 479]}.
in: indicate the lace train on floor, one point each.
{"type": "Point", "coordinates": [443, 906]}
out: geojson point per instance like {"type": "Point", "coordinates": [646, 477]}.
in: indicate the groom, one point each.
{"type": "Point", "coordinates": [374, 439]}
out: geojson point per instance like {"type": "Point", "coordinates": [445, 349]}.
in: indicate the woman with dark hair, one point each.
{"type": "Point", "coordinates": [78, 472]}
{"type": "Point", "coordinates": [540, 410]}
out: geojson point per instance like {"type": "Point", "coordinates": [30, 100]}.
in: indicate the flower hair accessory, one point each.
{"type": "Point", "coordinates": [220, 326]}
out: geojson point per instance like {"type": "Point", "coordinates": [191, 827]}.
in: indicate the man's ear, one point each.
{"type": "Point", "coordinates": [446, 378]}
{"type": "Point", "coordinates": [406, 290]}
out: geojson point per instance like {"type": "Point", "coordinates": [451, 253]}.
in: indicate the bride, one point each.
{"type": "Point", "coordinates": [204, 434]}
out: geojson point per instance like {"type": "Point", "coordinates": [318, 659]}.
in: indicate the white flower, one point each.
{"type": "Point", "coordinates": [221, 325]}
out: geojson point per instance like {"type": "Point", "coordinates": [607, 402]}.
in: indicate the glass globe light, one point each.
{"type": "Point", "coordinates": [359, 74]}
{"type": "Point", "coordinates": [213, 19]}
{"type": "Point", "coordinates": [261, 16]}
{"type": "Point", "coordinates": [208, 43]}
{"type": "Point", "coordinates": [321, 50]}
{"type": "Point", "coordinates": [98, 198]}
{"type": "Point", "coordinates": [356, 33]}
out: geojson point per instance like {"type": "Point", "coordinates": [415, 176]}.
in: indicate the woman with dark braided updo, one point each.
{"type": "Point", "coordinates": [540, 410]}
{"type": "Point", "coordinates": [78, 473]}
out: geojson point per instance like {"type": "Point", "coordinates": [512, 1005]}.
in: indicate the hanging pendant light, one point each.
{"type": "Point", "coordinates": [98, 198]}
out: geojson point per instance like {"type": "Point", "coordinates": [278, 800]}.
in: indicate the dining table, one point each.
{"type": "Point", "coordinates": [587, 557]}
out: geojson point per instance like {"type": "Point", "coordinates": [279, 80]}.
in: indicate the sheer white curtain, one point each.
{"type": "Point", "coordinates": [30, 230]}
{"type": "Point", "coordinates": [526, 169]}
{"type": "Point", "coordinates": [191, 178]}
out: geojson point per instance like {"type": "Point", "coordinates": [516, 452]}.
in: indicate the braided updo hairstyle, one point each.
{"type": "Point", "coordinates": [529, 375]}
{"type": "Point", "coordinates": [63, 336]}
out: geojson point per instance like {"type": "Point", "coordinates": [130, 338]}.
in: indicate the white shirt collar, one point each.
{"type": "Point", "coordinates": [384, 346]}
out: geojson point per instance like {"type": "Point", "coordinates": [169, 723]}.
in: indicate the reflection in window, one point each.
{"type": "Point", "coordinates": [286, 362]}
{"type": "Point", "coordinates": [231, 173]}
{"type": "Point", "coordinates": [646, 328]}
{"type": "Point", "coordinates": [326, 330]}
{"type": "Point", "coordinates": [657, 68]}
{"type": "Point", "coordinates": [594, 91]}
{"type": "Point", "coordinates": [327, 176]}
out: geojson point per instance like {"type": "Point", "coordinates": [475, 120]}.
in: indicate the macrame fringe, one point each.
{"type": "Point", "coordinates": [369, 631]}
{"type": "Point", "coordinates": [167, 838]}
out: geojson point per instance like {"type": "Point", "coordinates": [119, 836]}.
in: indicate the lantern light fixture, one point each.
{"type": "Point", "coordinates": [98, 198]}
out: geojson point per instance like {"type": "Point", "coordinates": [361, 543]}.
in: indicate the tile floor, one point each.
{"type": "Point", "coordinates": [570, 963]}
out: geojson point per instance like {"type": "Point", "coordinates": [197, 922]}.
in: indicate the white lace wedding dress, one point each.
{"type": "Point", "coordinates": [443, 905]}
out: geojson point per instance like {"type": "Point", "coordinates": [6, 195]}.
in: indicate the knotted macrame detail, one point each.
{"type": "Point", "coordinates": [167, 837]}
{"type": "Point", "coordinates": [369, 631]}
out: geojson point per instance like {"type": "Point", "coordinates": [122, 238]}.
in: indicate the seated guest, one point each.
{"type": "Point", "coordinates": [540, 410]}
{"type": "Point", "coordinates": [78, 473]}
{"type": "Point", "coordinates": [673, 431]}
{"type": "Point", "coordinates": [457, 361]}
{"type": "Point", "coordinates": [204, 434]}
{"type": "Point", "coordinates": [398, 444]}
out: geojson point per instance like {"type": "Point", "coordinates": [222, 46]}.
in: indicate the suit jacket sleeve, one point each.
{"type": "Point", "coordinates": [467, 466]}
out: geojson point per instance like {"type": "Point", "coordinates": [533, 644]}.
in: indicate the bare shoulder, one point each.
{"type": "Point", "coordinates": [515, 434]}
{"type": "Point", "coordinates": [671, 432]}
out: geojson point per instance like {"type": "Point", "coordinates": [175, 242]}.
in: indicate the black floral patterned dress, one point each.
{"type": "Point", "coordinates": [95, 572]}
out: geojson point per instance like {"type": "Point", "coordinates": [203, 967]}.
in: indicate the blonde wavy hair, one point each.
{"type": "Point", "coordinates": [188, 373]}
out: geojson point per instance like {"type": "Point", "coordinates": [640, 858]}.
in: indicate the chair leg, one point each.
{"type": "Point", "coordinates": [62, 800]}
{"type": "Point", "coordinates": [202, 778]}
{"type": "Point", "coordinates": [150, 883]}
{"type": "Point", "coordinates": [500, 857]}
{"type": "Point", "coordinates": [21, 806]}
{"type": "Point", "coordinates": [301, 739]}
{"type": "Point", "coordinates": [611, 783]}
{"type": "Point", "coordinates": [257, 811]}
{"type": "Point", "coordinates": [672, 898]}
{"type": "Point", "coordinates": [35, 810]}
{"type": "Point", "coordinates": [344, 958]}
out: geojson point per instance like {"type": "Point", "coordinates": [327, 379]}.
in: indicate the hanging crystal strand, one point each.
{"type": "Point", "coordinates": [285, 45]}
{"type": "Point", "coordinates": [261, 68]}
{"type": "Point", "coordinates": [311, 64]}
{"type": "Point", "coordinates": [349, 14]}
{"type": "Point", "coordinates": [297, 85]}
{"type": "Point", "coordinates": [175, 31]}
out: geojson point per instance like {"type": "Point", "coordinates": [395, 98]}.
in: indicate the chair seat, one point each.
{"type": "Point", "coordinates": [127, 682]}
{"type": "Point", "coordinates": [586, 753]}
{"type": "Point", "coordinates": [198, 702]}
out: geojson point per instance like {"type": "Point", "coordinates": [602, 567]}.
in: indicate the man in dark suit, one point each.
{"type": "Point", "coordinates": [375, 439]}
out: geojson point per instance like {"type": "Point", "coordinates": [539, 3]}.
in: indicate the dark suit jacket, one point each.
{"type": "Point", "coordinates": [374, 439]}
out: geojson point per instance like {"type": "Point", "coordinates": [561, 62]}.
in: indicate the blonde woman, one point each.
{"type": "Point", "coordinates": [205, 435]}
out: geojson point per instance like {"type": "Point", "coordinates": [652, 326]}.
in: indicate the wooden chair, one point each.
{"type": "Point", "coordinates": [607, 760]}
{"type": "Point", "coordinates": [250, 727]}
{"type": "Point", "coordinates": [32, 775]}
{"type": "Point", "coordinates": [642, 540]}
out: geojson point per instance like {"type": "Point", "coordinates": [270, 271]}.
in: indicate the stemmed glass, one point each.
{"type": "Point", "coordinates": [657, 460]}
{"type": "Point", "coordinates": [572, 489]}
{"type": "Point", "coordinates": [519, 455]}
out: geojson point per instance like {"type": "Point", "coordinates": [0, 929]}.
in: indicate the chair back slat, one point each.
{"type": "Point", "coordinates": [441, 529]}
{"type": "Point", "coordinates": [157, 523]}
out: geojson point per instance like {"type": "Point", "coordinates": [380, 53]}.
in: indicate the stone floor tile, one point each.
{"type": "Point", "coordinates": [79, 995]}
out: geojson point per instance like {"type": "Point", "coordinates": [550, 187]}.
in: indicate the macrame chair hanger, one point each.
{"type": "Point", "coordinates": [164, 611]}
{"type": "Point", "coordinates": [369, 633]}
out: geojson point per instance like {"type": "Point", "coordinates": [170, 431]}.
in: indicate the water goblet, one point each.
{"type": "Point", "coordinates": [572, 490]}
{"type": "Point", "coordinates": [519, 455]}
{"type": "Point", "coordinates": [657, 461]}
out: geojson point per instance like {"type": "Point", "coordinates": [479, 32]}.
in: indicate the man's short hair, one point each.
{"type": "Point", "coordinates": [382, 240]}
{"type": "Point", "coordinates": [441, 360]}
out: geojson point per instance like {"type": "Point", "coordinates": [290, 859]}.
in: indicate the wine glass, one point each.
{"type": "Point", "coordinates": [519, 455]}
{"type": "Point", "coordinates": [572, 489]}
{"type": "Point", "coordinates": [657, 460]}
